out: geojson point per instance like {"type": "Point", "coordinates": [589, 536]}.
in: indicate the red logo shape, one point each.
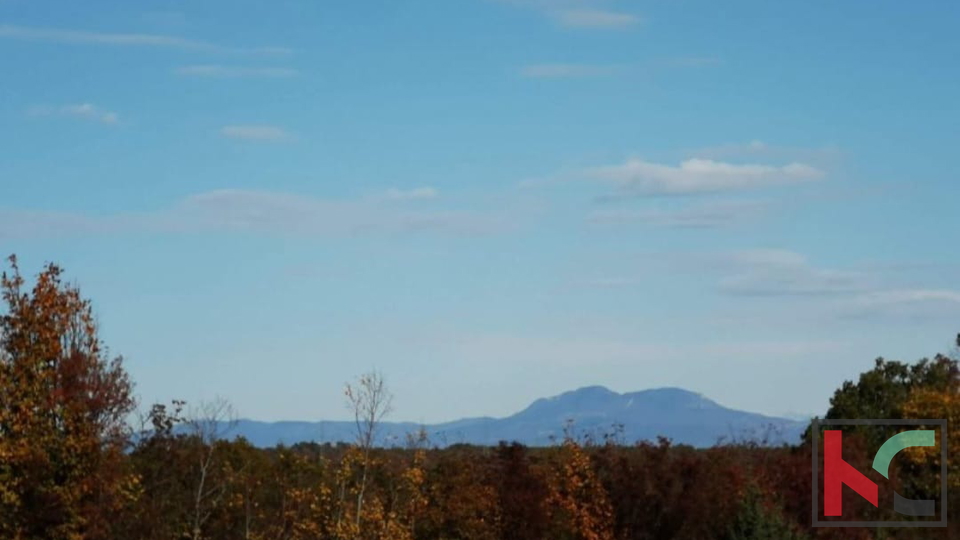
{"type": "Point", "coordinates": [837, 472]}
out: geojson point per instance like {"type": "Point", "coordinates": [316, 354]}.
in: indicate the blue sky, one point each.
{"type": "Point", "coordinates": [489, 200]}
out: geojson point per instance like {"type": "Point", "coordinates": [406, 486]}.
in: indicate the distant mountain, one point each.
{"type": "Point", "coordinates": [802, 417]}
{"type": "Point", "coordinates": [682, 416]}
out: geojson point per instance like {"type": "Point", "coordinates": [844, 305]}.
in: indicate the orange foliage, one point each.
{"type": "Point", "coordinates": [62, 412]}
{"type": "Point", "coordinates": [576, 496]}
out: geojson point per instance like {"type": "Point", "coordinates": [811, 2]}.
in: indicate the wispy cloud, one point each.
{"type": "Point", "coordinates": [796, 287]}
{"type": "Point", "coordinates": [843, 294]}
{"type": "Point", "coordinates": [56, 35]}
{"type": "Point", "coordinates": [772, 272]}
{"type": "Point", "coordinates": [220, 71]}
{"type": "Point", "coordinates": [909, 296]}
{"type": "Point", "coordinates": [909, 304]}
{"type": "Point", "coordinates": [84, 111]}
{"type": "Point", "coordinates": [263, 212]}
{"type": "Point", "coordinates": [583, 14]}
{"type": "Point", "coordinates": [637, 177]}
{"type": "Point", "coordinates": [709, 215]}
{"type": "Point", "coordinates": [595, 18]}
{"type": "Point", "coordinates": [564, 71]}
{"type": "Point", "coordinates": [20, 224]}
{"type": "Point", "coordinates": [255, 133]}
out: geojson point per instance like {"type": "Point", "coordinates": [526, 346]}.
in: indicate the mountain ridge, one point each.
{"type": "Point", "coordinates": [683, 416]}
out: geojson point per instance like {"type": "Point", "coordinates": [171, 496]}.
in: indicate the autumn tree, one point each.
{"type": "Point", "coordinates": [926, 389]}
{"type": "Point", "coordinates": [208, 424]}
{"type": "Point", "coordinates": [163, 462]}
{"type": "Point", "coordinates": [403, 493]}
{"type": "Point", "coordinates": [63, 405]}
{"type": "Point", "coordinates": [462, 496]}
{"type": "Point", "coordinates": [370, 401]}
{"type": "Point", "coordinates": [580, 503]}
{"type": "Point", "coordinates": [925, 462]}
{"type": "Point", "coordinates": [409, 499]}
{"type": "Point", "coordinates": [883, 392]}
{"type": "Point", "coordinates": [278, 495]}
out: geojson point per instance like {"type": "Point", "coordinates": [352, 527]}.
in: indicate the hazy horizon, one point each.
{"type": "Point", "coordinates": [393, 418]}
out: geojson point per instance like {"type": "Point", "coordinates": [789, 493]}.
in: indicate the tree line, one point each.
{"type": "Point", "coordinates": [73, 466]}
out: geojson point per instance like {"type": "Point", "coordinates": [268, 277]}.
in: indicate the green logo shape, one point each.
{"type": "Point", "coordinates": [905, 439]}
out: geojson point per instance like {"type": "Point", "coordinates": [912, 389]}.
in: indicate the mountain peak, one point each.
{"type": "Point", "coordinates": [673, 397]}
{"type": "Point", "coordinates": [685, 417]}
{"type": "Point", "coordinates": [584, 400]}
{"type": "Point", "coordinates": [593, 390]}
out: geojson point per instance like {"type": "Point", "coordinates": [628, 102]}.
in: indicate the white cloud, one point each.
{"type": "Point", "coordinates": [851, 293]}
{"type": "Point", "coordinates": [254, 133]}
{"type": "Point", "coordinates": [580, 14]}
{"type": "Point", "coordinates": [248, 211]}
{"type": "Point", "coordinates": [219, 71]}
{"type": "Point", "coordinates": [770, 272]}
{"type": "Point", "coordinates": [574, 70]}
{"type": "Point", "coordinates": [909, 296]}
{"type": "Point", "coordinates": [53, 35]}
{"type": "Point", "coordinates": [564, 71]}
{"type": "Point", "coordinates": [769, 257]}
{"type": "Point", "coordinates": [15, 224]}
{"type": "Point", "coordinates": [899, 304]}
{"type": "Point", "coordinates": [709, 215]}
{"type": "Point", "coordinates": [85, 111]}
{"type": "Point", "coordinates": [595, 18]}
{"type": "Point", "coordinates": [795, 289]}
{"type": "Point", "coordinates": [693, 176]}
{"type": "Point", "coordinates": [265, 211]}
